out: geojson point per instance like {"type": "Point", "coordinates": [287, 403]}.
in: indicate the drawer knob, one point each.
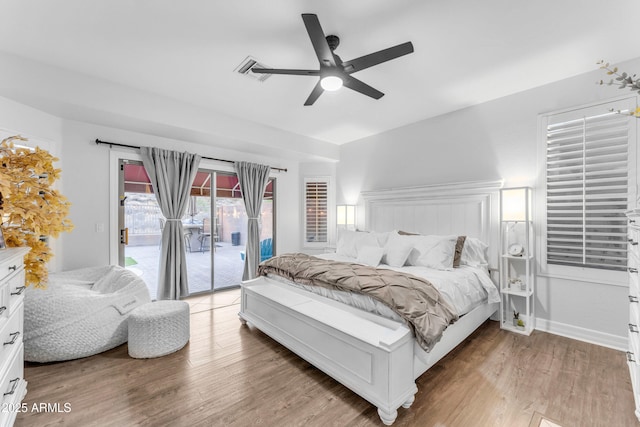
{"type": "Point", "coordinates": [633, 328]}
{"type": "Point", "coordinates": [19, 290]}
{"type": "Point", "coordinates": [14, 336]}
{"type": "Point", "coordinates": [2, 309]}
{"type": "Point", "coordinates": [633, 298]}
{"type": "Point", "coordinates": [13, 267]}
{"type": "Point", "coordinates": [632, 221]}
{"type": "Point", "coordinates": [632, 243]}
{"type": "Point", "coordinates": [632, 270]}
{"type": "Point", "coordinates": [630, 357]}
{"type": "Point", "coordinates": [14, 386]}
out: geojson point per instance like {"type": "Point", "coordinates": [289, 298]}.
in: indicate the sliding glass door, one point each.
{"type": "Point", "coordinates": [214, 223]}
{"type": "Point", "coordinates": [231, 229]}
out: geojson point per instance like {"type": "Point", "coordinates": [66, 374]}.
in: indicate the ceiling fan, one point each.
{"type": "Point", "coordinates": [333, 72]}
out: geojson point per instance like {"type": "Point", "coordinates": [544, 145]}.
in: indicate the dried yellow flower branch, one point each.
{"type": "Point", "coordinates": [32, 211]}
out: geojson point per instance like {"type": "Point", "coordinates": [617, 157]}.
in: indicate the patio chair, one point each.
{"type": "Point", "coordinates": [205, 235]}
{"type": "Point", "coordinates": [266, 250]}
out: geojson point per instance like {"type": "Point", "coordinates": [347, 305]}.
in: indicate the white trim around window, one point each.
{"type": "Point", "coordinates": [573, 210]}
{"type": "Point", "coordinates": [316, 211]}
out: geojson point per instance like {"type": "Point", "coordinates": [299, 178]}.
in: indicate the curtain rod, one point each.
{"type": "Point", "coordinates": [111, 144]}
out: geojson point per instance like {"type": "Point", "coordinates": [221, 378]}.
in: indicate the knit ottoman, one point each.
{"type": "Point", "coordinates": [158, 328]}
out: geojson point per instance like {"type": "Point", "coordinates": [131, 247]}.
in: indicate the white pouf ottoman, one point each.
{"type": "Point", "coordinates": [158, 328]}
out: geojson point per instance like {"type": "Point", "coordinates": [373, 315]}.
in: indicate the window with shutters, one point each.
{"type": "Point", "coordinates": [316, 211]}
{"type": "Point", "coordinates": [589, 180]}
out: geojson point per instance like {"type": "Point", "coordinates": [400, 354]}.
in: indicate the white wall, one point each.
{"type": "Point", "coordinates": [42, 130]}
{"type": "Point", "coordinates": [494, 140]}
{"type": "Point", "coordinates": [87, 177]}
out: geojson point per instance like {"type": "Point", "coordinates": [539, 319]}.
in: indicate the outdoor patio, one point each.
{"type": "Point", "coordinates": [227, 267]}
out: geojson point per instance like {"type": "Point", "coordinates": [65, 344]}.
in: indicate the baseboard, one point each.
{"type": "Point", "coordinates": [582, 334]}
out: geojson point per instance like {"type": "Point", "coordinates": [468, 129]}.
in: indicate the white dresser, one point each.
{"type": "Point", "coordinates": [12, 285]}
{"type": "Point", "coordinates": [633, 353]}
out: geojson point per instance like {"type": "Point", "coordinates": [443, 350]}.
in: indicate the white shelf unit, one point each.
{"type": "Point", "coordinates": [517, 278]}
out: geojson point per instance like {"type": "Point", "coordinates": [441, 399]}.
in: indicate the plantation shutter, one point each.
{"type": "Point", "coordinates": [316, 205]}
{"type": "Point", "coordinates": [587, 184]}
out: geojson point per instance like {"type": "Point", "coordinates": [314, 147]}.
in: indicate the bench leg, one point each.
{"type": "Point", "coordinates": [242, 319]}
{"type": "Point", "coordinates": [387, 417]}
{"type": "Point", "coordinates": [409, 401]}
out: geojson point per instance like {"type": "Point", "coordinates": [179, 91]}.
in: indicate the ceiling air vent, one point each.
{"type": "Point", "coordinates": [246, 66]}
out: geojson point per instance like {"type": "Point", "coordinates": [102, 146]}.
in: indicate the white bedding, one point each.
{"type": "Point", "coordinates": [465, 288]}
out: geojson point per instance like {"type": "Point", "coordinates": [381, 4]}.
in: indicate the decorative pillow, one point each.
{"type": "Point", "coordinates": [406, 233]}
{"type": "Point", "coordinates": [474, 252]}
{"type": "Point", "coordinates": [348, 242]}
{"type": "Point", "coordinates": [370, 255]}
{"type": "Point", "coordinates": [381, 237]}
{"type": "Point", "coordinates": [458, 253]}
{"type": "Point", "coordinates": [397, 250]}
{"type": "Point", "coordinates": [433, 252]}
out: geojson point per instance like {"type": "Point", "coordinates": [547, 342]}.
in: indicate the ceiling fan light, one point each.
{"type": "Point", "coordinates": [331, 83]}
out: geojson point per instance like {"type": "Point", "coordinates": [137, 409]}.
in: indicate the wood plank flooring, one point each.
{"type": "Point", "coordinates": [231, 375]}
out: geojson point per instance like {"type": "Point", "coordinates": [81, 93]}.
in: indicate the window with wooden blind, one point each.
{"type": "Point", "coordinates": [590, 174]}
{"type": "Point", "coordinates": [316, 210]}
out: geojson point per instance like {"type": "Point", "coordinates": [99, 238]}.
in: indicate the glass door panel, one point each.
{"type": "Point", "coordinates": [141, 224]}
{"type": "Point", "coordinates": [231, 230]}
{"type": "Point", "coordinates": [198, 235]}
{"type": "Point", "coordinates": [230, 226]}
{"type": "Point", "coordinates": [215, 228]}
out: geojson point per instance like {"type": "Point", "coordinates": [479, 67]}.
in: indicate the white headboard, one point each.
{"type": "Point", "coordinates": [466, 208]}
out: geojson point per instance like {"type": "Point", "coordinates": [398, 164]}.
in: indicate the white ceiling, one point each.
{"type": "Point", "coordinates": [466, 52]}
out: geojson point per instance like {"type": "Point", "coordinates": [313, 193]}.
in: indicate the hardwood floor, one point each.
{"type": "Point", "coordinates": [231, 375]}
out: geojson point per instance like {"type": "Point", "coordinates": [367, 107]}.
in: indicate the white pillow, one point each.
{"type": "Point", "coordinates": [382, 237]}
{"type": "Point", "coordinates": [397, 250]}
{"type": "Point", "coordinates": [370, 255]}
{"type": "Point", "coordinates": [433, 252]}
{"type": "Point", "coordinates": [474, 252]}
{"type": "Point", "coordinates": [348, 241]}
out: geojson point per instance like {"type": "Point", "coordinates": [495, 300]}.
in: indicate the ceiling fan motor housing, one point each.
{"type": "Point", "coordinates": [333, 41]}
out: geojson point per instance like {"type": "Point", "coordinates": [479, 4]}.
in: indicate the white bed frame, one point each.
{"type": "Point", "coordinates": [372, 355]}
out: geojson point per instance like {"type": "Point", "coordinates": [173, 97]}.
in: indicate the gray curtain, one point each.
{"type": "Point", "coordinates": [253, 179]}
{"type": "Point", "coordinates": [171, 174]}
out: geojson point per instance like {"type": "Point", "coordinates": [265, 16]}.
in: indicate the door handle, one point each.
{"type": "Point", "coordinates": [124, 236]}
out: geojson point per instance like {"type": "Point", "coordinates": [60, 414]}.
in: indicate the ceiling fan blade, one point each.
{"type": "Point", "coordinates": [318, 40]}
{"type": "Point", "coordinates": [359, 86]}
{"type": "Point", "coordinates": [377, 57]}
{"type": "Point", "coordinates": [282, 71]}
{"type": "Point", "coordinates": [315, 93]}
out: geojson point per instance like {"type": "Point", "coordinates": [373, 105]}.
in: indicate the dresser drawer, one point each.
{"type": "Point", "coordinates": [13, 386]}
{"type": "Point", "coordinates": [634, 371]}
{"type": "Point", "coordinates": [10, 265]}
{"type": "Point", "coordinates": [17, 288]}
{"type": "Point", "coordinates": [634, 348]}
{"type": "Point", "coordinates": [5, 302]}
{"type": "Point", "coordinates": [634, 320]}
{"type": "Point", "coordinates": [11, 336]}
{"type": "Point", "coordinates": [634, 288]}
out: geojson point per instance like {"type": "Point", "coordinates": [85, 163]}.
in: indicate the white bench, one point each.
{"type": "Point", "coordinates": [371, 355]}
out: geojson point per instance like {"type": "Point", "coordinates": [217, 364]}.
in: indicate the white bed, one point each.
{"type": "Point", "coordinates": [375, 355]}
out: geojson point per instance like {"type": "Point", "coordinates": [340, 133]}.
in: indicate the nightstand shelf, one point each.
{"type": "Point", "coordinates": [517, 279]}
{"type": "Point", "coordinates": [524, 294]}
{"type": "Point", "coordinates": [520, 257]}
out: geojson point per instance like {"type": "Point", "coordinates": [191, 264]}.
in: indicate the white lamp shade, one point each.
{"type": "Point", "coordinates": [331, 83]}
{"type": "Point", "coordinates": [516, 204]}
{"type": "Point", "coordinates": [346, 215]}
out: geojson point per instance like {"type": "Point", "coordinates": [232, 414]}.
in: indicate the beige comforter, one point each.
{"type": "Point", "coordinates": [416, 300]}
